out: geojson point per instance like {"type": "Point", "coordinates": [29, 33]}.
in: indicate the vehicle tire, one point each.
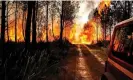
{"type": "Point", "coordinates": [104, 77]}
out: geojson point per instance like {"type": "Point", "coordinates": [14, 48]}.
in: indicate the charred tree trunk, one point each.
{"type": "Point", "coordinates": [61, 22]}
{"type": "Point", "coordinates": [28, 24]}
{"type": "Point", "coordinates": [97, 33]}
{"type": "Point", "coordinates": [7, 24]}
{"type": "Point", "coordinates": [104, 31]}
{"type": "Point", "coordinates": [110, 33]}
{"type": "Point", "coordinates": [34, 24]}
{"type": "Point", "coordinates": [104, 23]}
{"type": "Point", "coordinates": [47, 23]}
{"type": "Point", "coordinates": [52, 26]}
{"type": "Point", "coordinates": [61, 27]}
{"type": "Point", "coordinates": [23, 24]}
{"type": "Point", "coordinates": [127, 9]}
{"type": "Point", "coordinates": [16, 23]}
{"type": "Point", "coordinates": [2, 55]}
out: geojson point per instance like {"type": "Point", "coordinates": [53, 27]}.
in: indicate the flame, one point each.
{"type": "Point", "coordinates": [103, 5]}
{"type": "Point", "coordinates": [82, 31]}
{"type": "Point", "coordinates": [20, 37]}
{"type": "Point", "coordinates": [52, 34]}
{"type": "Point", "coordinates": [88, 35]}
{"type": "Point", "coordinates": [87, 31]}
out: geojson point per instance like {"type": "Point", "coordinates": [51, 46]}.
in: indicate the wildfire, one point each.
{"type": "Point", "coordinates": [83, 30]}
{"type": "Point", "coordinates": [88, 31]}
{"type": "Point", "coordinates": [91, 32]}
{"type": "Point", "coordinates": [11, 32]}
{"type": "Point", "coordinates": [103, 5]}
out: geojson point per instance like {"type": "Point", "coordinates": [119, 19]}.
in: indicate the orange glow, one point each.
{"type": "Point", "coordinates": [88, 35]}
{"type": "Point", "coordinates": [20, 37]}
{"type": "Point", "coordinates": [103, 5]}
{"type": "Point", "coordinates": [91, 31]}
{"type": "Point", "coordinates": [85, 32]}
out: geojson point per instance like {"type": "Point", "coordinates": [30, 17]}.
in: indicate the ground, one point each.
{"type": "Point", "coordinates": [62, 62]}
{"type": "Point", "coordinates": [83, 63]}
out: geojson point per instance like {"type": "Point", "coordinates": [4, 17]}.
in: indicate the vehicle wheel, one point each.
{"type": "Point", "coordinates": [104, 77]}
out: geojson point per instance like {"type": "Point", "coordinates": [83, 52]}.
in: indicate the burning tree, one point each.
{"type": "Point", "coordinates": [55, 15]}
{"type": "Point", "coordinates": [66, 14]}
{"type": "Point", "coordinates": [35, 7]}
{"type": "Point", "coordinates": [116, 12]}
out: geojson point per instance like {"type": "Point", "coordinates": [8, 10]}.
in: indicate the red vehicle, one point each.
{"type": "Point", "coordinates": [119, 65]}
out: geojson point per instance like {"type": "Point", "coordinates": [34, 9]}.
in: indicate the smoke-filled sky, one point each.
{"type": "Point", "coordinates": [84, 13]}
{"type": "Point", "coordinates": [85, 10]}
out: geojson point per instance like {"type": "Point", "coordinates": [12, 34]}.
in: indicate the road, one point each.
{"type": "Point", "coordinates": [84, 63]}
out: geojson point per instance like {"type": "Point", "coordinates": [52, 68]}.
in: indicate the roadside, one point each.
{"type": "Point", "coordinates": [82, 63]}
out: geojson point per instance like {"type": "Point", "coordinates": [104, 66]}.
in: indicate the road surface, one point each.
{"type": "Point", "coordinates": [84, 63]}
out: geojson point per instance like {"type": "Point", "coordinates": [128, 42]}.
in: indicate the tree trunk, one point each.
{"type": "Point", "coordinates": [127, 10]}
{"type": "Point", "coordinates": [105, 31]}
{"type": "Point", "coordinates": [28, 24]}
{"type": "Point", "coordinates": [34, 24]}
{"type": "Point", "coordinates": [104, 25]}
{"type": "Point", "coordinates": [7, 24]}
{"type": "Point", "coordinates": [52, 26]}
{"type": "Point", "coordinates": [61, 22]}
{"type": "Point", "coordinates": [23, 19]}
{"type": "Point", "coordinates": [97, 33]}
{"type": "Point", "coordinates": [61, 27]}
{"type": "Point", "coordinates": [47, 23]}
{"type": "Point", "coordinates": [16, 23]}
{"type": "Point", "coordinates": [2, 55]}
{"type": "Point", "coordinates": [110, 33]}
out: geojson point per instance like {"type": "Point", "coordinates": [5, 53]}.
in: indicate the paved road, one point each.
{"type": "Point", "coordinates": [84, 63]}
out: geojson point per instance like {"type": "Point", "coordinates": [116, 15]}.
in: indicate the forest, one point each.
{"type": "Point", "coordinates": [36, 35]}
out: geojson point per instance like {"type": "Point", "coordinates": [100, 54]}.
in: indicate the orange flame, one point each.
{"type": "Point", "coordinates": [92, 31]}
{"type": "Point", "coordinates": [103, 5]}
{"type": "Point", "coordinates": [20, 37]}
{"type": "Point", "coordinates": [87, 34]}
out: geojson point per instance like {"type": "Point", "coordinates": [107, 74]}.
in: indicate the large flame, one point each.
{"type": "Point", "coordinates": [87, 31]}
{"type": "Point", "coordinates": [83, 30]}
{"type": "Point", "coordinates": [91, 32]}
{"type": "Point", "coordinates": [11, 30]}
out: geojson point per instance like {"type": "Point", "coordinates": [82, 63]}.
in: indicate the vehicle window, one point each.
{"type": "Point", "coordinates": [123, 44]}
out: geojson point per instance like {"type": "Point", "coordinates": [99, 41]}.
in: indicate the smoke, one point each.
{"type": "Point", "coordinates": [85, 11]}
{"type": "Point", "coordinates": [83, 14]}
